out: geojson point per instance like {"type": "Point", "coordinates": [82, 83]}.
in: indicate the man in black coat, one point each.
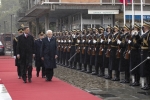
{"type": "Point", "coordinates": [25, 53]}
{"type": "Point", "coordinates": [38, 62]}
{"type": "Point", "coordinates": [49, 54]}
{"type": "Point", "coordinates": [17, 63]}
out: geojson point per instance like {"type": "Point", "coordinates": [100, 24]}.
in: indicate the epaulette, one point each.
{"type": "Point", "coordinates": [16, 40]}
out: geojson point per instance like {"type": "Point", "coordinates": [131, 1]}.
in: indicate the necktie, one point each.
{"type": "Point", "coordinates": [49, 39]}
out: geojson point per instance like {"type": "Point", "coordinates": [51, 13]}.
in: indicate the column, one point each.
{"type": "Point", "coordinates": [28, 4]}
{"type": "Point", "coordinates": [46, 22]}
{"type": "Point", "coordinates": [81, 22]}
{"type": "Point", "coordinates": [30, 26]}
{"type": "Point", "coordinates": [37, 27]}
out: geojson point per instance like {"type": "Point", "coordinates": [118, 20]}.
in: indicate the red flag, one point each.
{"type": "Point", "coordinates": [126, 1]}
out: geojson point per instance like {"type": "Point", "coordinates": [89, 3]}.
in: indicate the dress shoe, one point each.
{"type": "Point", "coordinates": [115, 79]}
{"type": "Point", "coordinates": [19, 77]}
{"type": "Point", "coordinates": [135, 84]}
{"type": "Point", "coordinates": [24, 81]}
{"type": "Point", "coordinates": [108, 77]}
{"type": "Point", "coordinates": [83, 70]}
{"type": "Point", "coordinates": [146, 87]}
{"type": "Point", "coordinates": [124, 81]}
{"type": "Point", "coordinates": [101, 75]}
{"type": "Point", "coordinates": [47, 79]}
{"type": "Point", "coordinates": [94, 73]}
{"type": "Point", "coordinates": [88, 71]}
{"type": "Point", "coordinates": [29, 80]}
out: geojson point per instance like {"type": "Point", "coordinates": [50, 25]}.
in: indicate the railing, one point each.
{"type": "Point", "coordinates": [101, 2]}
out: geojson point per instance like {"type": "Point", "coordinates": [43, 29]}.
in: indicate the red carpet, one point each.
{"type": "Point", "coordinates": [38, 89]}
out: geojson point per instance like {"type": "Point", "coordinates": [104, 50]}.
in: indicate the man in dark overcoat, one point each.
{"type": "Point", "coordinates": [49, 54]}
{"type": "Point", "coordinates": [25, 53]}
{"type": "Point", "coordinates": [17, 62]}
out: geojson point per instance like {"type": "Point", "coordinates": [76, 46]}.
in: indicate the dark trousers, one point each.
{"type": "Point", "coordinates": [19, 70]}
{"type": "Point", "coordinates": [49, 73]}
{"type": "Point", "coordinates": [26, 71]}
{"type": "Point", "coordinates": [38, 68]}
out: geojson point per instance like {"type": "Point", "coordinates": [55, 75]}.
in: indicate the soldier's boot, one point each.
{"type": "Point", "coordinates": [70, 66]}
{"type": "Point", "coordinates": [102, 71]}
{"type": "Point", "coordinates": [75, 65]}
{"type": "Point", "coordinates": [127, 77]}
{"type": "Point", "coordinates": [96, 70]}
{"type": "Point", "coordinates": [144, 84]}
{"type": "Point", "coordinates": [90, 69]}
{"type": "Point", "coordinates": [117, 76]}
{"type": "Point", "coordinates": [109, 76]}
{"type": "Point", "coordinates": [79, 66]}
{"type": "Point", "coordinates": [135, 80]}
{"type": "Point", "coordinates": [85, 68]}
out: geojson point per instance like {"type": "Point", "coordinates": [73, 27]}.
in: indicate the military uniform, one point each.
{"type": "Point", "coordinates": [83, 51]}
{"type": "Point", "coordinates": [38, 61]}
{"type": "Point", "coordinates": [17, 62]}
{"type": "Point", "coordinates": [135, 55]}
{"type": "Point", "coordinates": [114, 55]}
{"type": "Point", "coordinates": [145, 52]}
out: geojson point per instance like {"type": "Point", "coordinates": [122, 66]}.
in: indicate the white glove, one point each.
{"type": "Point", "coordinates": [89, 41]}
{"type": "Point", "coordinates": [73, 36]}
{"type": "Point", "coordinates": [58, 40]}
{"type": "Point", "coordinates": [118, 42]}
{"type": "Point", "coordinates": [69, 41]}
{"type": "Point", "coordinates": [83, 40]}
{"type": "Point", "coordinates": [14, 57]}
{"type": "Point", "coordinates": [65, 41]}
{"type": "Point", "coordinates": [62, 41]}
{"type": "Point", "coordinates": [78, 41]}
{"type": "Point", "coordinates": [129, 41]}
{"type": "Point", "coordinates": [94, 41]}
{"type": "Point", "coordinates": [102, 40]}
{"type": "Point", "coordinates": [109, 40]}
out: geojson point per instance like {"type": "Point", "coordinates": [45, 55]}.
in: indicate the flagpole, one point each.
{"type": "Point", "coordinates": [133, 13]}
{"type": "Point", "coordinates": [141, 15]}
{"type": "Point", "coordinates": [124, 7]}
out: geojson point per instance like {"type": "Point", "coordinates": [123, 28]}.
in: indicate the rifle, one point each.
{"type": "Point", "coordinates": [127, 53]}
{"type": "Point", "coordinates": [118, 50]}
{"type": "Point", "coordinates": [102, 46]}
{"type": "Point", "coordinates": [108, 49]}
{"type": "Point", "coordinates": [94, 48]}
{"type": "Point", "coordinates": [83, 48]}
{"type": "Point", "coordinates": [89, 47]}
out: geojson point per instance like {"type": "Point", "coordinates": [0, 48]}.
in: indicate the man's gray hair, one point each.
{"type": "Point", "coordinates": [49, 31]}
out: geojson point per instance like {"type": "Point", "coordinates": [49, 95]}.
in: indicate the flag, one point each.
{"type": "Point", "coordinates": [126, 1]}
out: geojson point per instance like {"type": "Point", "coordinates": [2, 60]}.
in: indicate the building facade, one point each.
{"type": "Point", "coordinates": [79, 14]}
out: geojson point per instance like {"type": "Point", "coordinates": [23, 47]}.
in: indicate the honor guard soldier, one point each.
{"type": "Point", "coordinates": [93, 48]}
{"type": "Point", "coordinates": [68, 48]}
{"type": "Point", "coordinates": [62, 48]}
{"type": "Point", "coordinates": [107, 48]}
{"type": "Point", "coordinates": [114, 55]}
{"type": "Point", "coordinates": [58, 47]}
{"type": "Point", "coordinates": [89, 43]}
{"type": "Point", "coordinates": [83, 50]}
{"type": "Point", "coordinates": [38, 61]}
{"type": "Point", "coordinates": [73, 51]}
{"type": "Point", "coordinates": [97, 43]}
{"type": "Point", "coordinates": [145, 52]}
{"type": "Point", "coordinates": [99, 61]}
{"type": "Point", "coordinates": [124, 60]}
{"type": "Point", "coordinates": [65, 49]}
{"type": "Point", "coordinates": [15, 42]}
{"type": "Point", "coordinates": [135, 54]}
{"type": "Point", "coordinates": [78, 51]}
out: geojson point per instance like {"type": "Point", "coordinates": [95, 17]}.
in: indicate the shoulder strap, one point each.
{"type": "Point", "coordinates": [16, 39]}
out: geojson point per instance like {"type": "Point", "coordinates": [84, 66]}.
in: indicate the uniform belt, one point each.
{"type": "Point", "coordinates": [114, 46]}
{"type": "Point", "coordinates": [144, 47]}
{"type": "Point", "coordinates": [133, 48]}
{"type": "Point", "coordinates": [72, 45]}
{"type": "Point", "coordinates": [76, 44]}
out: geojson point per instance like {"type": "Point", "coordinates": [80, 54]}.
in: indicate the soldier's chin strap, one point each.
{"type": "Point", "coordinates": [140, 64]}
